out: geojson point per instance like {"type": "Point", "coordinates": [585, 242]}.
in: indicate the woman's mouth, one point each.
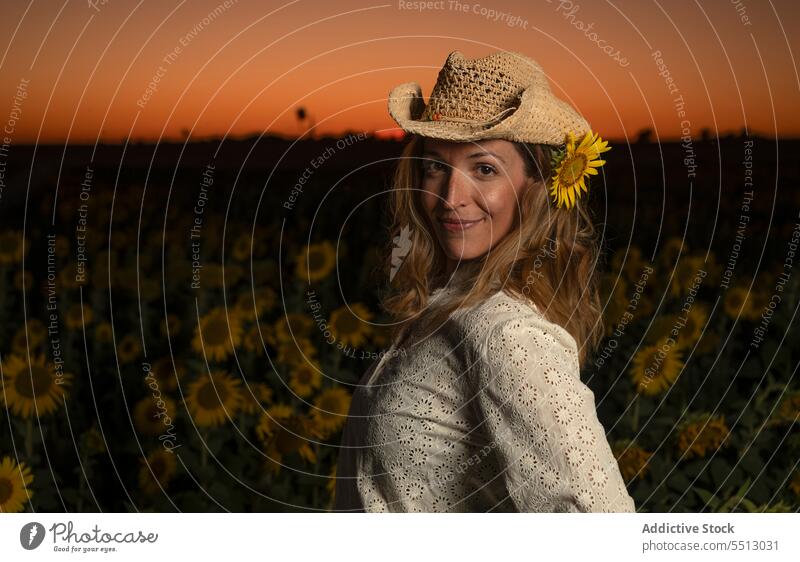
{"type": "Point", "coordinates": [455, 225]}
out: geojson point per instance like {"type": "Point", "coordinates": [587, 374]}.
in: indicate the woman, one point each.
{"type": "Point", "coordinates": [478, 404]}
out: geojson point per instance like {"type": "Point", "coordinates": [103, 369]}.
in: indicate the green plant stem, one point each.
{"type": "Point", "coordinates": [635, 417]}
{"type": "Point", "coordinates": [29, 438]}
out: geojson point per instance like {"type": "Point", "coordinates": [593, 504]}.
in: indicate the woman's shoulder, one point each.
{"type": "Point", "coordinates": [504, 321]}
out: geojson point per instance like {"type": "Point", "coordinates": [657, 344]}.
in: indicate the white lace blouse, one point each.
{"type": "Point", "coordinates": [486, 414]}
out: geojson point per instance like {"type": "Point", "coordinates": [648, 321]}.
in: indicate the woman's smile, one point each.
{"type": "Point", "coordinates": [458, 226]}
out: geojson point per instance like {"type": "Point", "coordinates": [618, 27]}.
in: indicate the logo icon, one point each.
{"type": "Point", "coordinates": [31, 535]}
{"type": "Point", "coordinates": [402, 245]}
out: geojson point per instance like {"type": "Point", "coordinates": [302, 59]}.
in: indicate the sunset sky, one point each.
{"type": "Point", "coordinates": [76, 71]}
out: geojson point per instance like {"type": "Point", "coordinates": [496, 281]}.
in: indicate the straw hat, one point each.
{"type": "Point", "coordinates": [504, 95]}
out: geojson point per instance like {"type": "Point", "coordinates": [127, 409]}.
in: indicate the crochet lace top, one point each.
{"type": "Point", "coordinates": [487, 413]}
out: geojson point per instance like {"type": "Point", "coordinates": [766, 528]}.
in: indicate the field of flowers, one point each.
{"type": "Point", "coordinates": [157, 358]}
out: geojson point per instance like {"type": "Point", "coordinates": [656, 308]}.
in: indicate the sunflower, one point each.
{"type": "Point", "coordinates": [615, 308]}
{"type": "Point", "coordinates": [27, 283]}
{"type": "Point", "coordinates": [77, 316]}
{"type": "Point", "coordinates": [128, 348]}
{"type": "Point", "coordinates": [173, 323]}
{"type": "Point", "coordinates": [214, 398]}
{"type": "Point", "coordinates": [254, 396]}
{"type": "Point", "coordinates": [701, 434]}
{"type": "Point", "coordinates": [349, 324]}
{"type": "Point", "coordinates": [660, 328]}
{"type": "Point", "coordinates": [304, 379]}
{"type": "Point", "coordinates": [218, 334]}
{"type": "Point", "coordinates": [265, 300]}
{"type": "Point", "coordinates": [696, 321]}
{"type": "Point", "coordinates": [284, 432]}
{"type": "Point", "coordinates": [670, 251]}
{"type": "Point", "coordinates": [316, 262]}
{"type": "Point", "coordinates": [66, 276]}
{"type": "Point", "coordinates": [331, 407]}
{"type": "Point", "coordinates": [168, 373]}
{"type": "Point", "coordinates": [148, 414]}
{"type": "Point", "coordinates": [93, 441]}
{"type": "Point", "coordinates": [789, 410]}
{"type": "Point", "coordinates": [157, 471]}
{"type": "Point", "coordinates": [655, 368]}
{"type": "Point", "coordinates": [14, 481]}
{"type": "Point", "coordinates": [296, 352]}
{"type": "Point", "coordinates": [573, 165]}
{"type": "Point", "coordinates": [39, 390]}
{"type": "Point", "coordinates": [632, 459]}
{"type": "Point", "coordinates": [12, 247]}
{"type": "Point", "coordinates": [735, 301]}
{"type": "Point", "coordinates": [241, 248]}
{"type": "Point", "coordinates": [685, 275]}
{"type": "Point", "coordinates": [251, 341]}
{"type": "Point", "coordinates": [331, 485]}
{"type": "Point", "coordinates": [794, 484]}
{"type": "Point", "coordinates": [103, 332]}
{"type": "Point", "coordinates": [36, 333]}
{"type": "Point", "coordinates": [292, 326]}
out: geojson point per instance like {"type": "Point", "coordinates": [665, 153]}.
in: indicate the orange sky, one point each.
{"type": "Point", "coordinates": [251, 64]}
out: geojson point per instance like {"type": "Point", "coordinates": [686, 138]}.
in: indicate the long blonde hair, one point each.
{"type": "Point", "coordinates": [548, 258]}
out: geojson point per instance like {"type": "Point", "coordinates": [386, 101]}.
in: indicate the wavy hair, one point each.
{"type": "Point", "coordinates": [549, 257]}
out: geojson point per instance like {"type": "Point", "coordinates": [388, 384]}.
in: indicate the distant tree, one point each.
{"type": "Point", "coordinates": [304, 122]}
{"type": "Point", "coordinates": [644, 136]}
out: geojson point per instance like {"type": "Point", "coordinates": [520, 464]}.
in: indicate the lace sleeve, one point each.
{"type": "Point", "coordinates": [541, 419]}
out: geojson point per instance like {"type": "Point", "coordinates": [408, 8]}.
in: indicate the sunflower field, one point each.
{"type": "Point", "coordinates": [195, 348]}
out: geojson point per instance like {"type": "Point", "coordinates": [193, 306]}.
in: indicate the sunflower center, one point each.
{"type": "Point", "coordinates": [303, 376]}
{"type": "Point", "coordinates": [572, 169]}
{"type": "Point", "coordinates": [8, 244]}
{"type": "Point", "coordinates": [216, 332]}
{"type": "Point", "coordinates": [6, 488]}
{"type": "Point", "coordinates": [210, 398]}
{"type": "Point", "coordinates": [40, 386]}
{"type": "Point", "coordinates": [316, 260]}
{"type": "Point", "coordinates": [348, 323]}
{"type": "Point", "coordinates": [330, 407]}
{"type": "Point", "coordinates": [286, 441]}
{"type": "Point", "coordinates": [158, 467]}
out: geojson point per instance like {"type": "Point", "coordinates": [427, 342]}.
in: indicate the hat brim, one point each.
{"type": "Point", "coordinates": [540, 118]}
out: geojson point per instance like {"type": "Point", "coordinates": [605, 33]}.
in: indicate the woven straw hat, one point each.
{"type": "Point", "coordinates": [504, 95]}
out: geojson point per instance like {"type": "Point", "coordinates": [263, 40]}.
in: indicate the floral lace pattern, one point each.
{"type": "Point", "coordinates": [486, 414]}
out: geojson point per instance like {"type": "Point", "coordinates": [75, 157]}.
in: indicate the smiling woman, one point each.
{"type": "Point", "coordinates": [478, 405]}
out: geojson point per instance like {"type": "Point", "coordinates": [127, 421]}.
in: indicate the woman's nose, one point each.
{"type": "Point", "coordinates": [457, 188]}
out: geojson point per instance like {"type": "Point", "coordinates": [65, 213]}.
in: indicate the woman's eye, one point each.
{"type": "Point", "coordinates": [486, 170]}
{"type": "Point", "coordinates": [432, 166]}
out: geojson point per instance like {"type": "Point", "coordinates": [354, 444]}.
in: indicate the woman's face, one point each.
{"type": "Point", "coordinates": [471, 192]}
